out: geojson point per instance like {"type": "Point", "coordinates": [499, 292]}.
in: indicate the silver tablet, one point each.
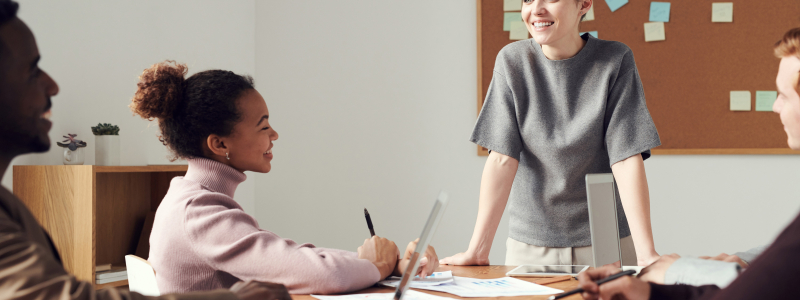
{"type": "Point", "coordinates": [602, 200]}
{"type": "Point", "coordinates": [546, 270]}
{"type": "Point", "coordinates": [422, 245]}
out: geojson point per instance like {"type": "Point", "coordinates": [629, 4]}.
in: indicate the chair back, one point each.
{"type": "Point", "coordinates": [141, 276]}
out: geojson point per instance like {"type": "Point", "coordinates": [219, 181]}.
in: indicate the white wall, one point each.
{"type": "Point", "coordinates": [95, 50]}
{"type": "Point", "coordinates": [375, 102]}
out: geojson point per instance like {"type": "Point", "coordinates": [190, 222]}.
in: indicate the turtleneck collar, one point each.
{"type": "Point", "coordinates": [214, 175]}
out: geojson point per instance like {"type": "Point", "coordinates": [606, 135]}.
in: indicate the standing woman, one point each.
{"type": "Point", "coordinates": [561, 106]}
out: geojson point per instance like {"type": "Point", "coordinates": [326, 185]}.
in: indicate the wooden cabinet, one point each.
{"type": "Point", "coordinates": [94, 214]}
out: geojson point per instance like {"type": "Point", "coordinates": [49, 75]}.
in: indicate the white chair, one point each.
{"type": "Point", "coordinates": [141, 276]}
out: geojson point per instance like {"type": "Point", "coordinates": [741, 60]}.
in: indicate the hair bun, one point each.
{"type": "Point", "coordinates": [160, 90]}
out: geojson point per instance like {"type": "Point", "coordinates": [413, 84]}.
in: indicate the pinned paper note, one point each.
{"type": "Point", "coordinates": [765, 100]}
{"type": "Point", "coordinates": [589, 14]}
{"type": "Point", "coordinates": [659, 11]}
{"type": "Point", "coordinates": [722, 12]}
{"type": "Point", "coordinates": [510, 17]}
{"type": "Point", "coordinates": [616, 4]}
{"type": "Point", "coordinates": [512, 5]}
{"type": "Point", "coordinates": [740, 100]}
{"type": "Point", "coordinates": [592, 33]}
{"type": "Point", "coordinates": [518, 31]}
{"type": "Point", "coordinates": [654, 31]}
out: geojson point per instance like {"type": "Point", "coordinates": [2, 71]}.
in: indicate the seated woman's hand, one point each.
{"type": "Point", "coordinates": [381, 252]}
{"type": "Point", "coordinates": [625, 287]}
{"type": "Point", "coordinates": [427, 263]}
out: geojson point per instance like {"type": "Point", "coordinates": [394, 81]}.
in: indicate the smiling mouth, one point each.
{"type": "Point", "coordinates": [542, 24]}
{"type": "Point", "coordinates": [268, 152]}
{"type": "Point", "coordinates": [46, 115]}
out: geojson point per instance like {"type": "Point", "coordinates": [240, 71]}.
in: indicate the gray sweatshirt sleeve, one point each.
{"type": "Point", "coordinates": [749, 255]}
{"type": "Point", "coordinates": [695, 271]}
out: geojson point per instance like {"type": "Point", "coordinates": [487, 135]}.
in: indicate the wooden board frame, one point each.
{"type": "Point", "coordinates": [755, 122]}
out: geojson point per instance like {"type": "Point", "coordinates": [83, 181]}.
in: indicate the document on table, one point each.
{"type": "Point", "coordinates": [408, 295]}
{"type": "Point", "coordinates": [436, 278]}
{"type": "Point", "coordinates": [499, 287]}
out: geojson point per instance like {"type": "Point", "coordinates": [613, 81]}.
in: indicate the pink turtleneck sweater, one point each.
{"type": "Point", "coordinates": [203, 240]}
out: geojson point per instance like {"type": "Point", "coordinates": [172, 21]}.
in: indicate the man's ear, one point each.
{"type": "Point", "coordinates": [217, 145]}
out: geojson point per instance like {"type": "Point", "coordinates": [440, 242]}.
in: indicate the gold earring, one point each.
{"type": "Point", "coordinates": [227, 156]}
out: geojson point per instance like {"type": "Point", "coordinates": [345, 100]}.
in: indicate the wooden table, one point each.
{"type": "Point", "coordinates": [482, 272]}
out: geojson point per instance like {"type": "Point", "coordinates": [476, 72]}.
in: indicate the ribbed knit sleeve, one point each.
{"type": "Point", "coordinates": [231, 241]}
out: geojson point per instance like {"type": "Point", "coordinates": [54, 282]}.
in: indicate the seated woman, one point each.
{"type": "Point", "coordinates": [201, 238]}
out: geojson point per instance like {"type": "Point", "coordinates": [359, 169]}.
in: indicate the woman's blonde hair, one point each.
{"type": "Point", "coordinates": [789, 45]}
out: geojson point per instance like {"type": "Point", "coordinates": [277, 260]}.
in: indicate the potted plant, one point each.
{"type": "Point", "coordinates": [73, 149]}
{"type": "Point", "coordinates": [106, 144]}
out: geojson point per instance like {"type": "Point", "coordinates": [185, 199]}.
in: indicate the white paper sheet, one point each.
{"type": "Point", "coordinates": [436, 278]}
{"type": "Point", "coordinates": [409, 295]}
{"type": "Point", "coordinates": [499, 287]}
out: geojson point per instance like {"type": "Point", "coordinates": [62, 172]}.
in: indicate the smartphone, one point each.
{"type": "Point", "coordinates": [546, 271]}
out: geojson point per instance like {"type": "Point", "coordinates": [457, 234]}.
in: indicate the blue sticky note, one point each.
{"type": "Point", "coordinates": [659, 11]}
{"type": "Point", "coordinates": [765, 100]}
{"type": "Point", "coordinates": [593, 33]}
{"type": "Point", "coordinates": [614, 5]}
{"type": "Point", "coordinates": [510, 17]}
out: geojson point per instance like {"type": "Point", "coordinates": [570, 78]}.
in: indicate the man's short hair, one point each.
{"type": "Point", "coordinates": [8, 10]}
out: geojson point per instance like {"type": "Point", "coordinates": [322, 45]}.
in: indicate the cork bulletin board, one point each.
{"type": "Point", "coordinates": [688, 77]}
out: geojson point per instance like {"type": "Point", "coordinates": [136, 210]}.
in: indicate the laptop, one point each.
{"type": "Point", "coordinates": [602, 199]}
{"type": "Point", "coordinates": [422, 245]}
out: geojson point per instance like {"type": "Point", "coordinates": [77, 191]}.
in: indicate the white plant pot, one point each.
{"type": "Point", "coordinates": [73, 157]}
{"type": "Point", "coordinates": [106, 150]}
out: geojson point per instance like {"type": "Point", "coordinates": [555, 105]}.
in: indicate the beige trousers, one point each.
{"type": "Point", "coordinates": [519, 253]}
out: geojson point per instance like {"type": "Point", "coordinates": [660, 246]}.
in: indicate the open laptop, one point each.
{"type": "Point", "coordinates": [422, 245]}
{"type": "Point", "coordinates": [603, 224]}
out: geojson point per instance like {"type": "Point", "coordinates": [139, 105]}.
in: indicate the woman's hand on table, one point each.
{"type": "Point", "coordinates": [381, 252]}
{"type": "Point", "coordinates": [625, 287]}
{"type": "Point", "coordinates": [468, 258]}
{"type": "Point", "coordinates": [655, 272]}
{"type": "Point", "coordinates": [427, 264]}
{"type": "Point", "coordinates": [647, 259]}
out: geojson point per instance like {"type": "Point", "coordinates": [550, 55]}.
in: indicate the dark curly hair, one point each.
{"type": "Point", "coordinates": [189, 109]}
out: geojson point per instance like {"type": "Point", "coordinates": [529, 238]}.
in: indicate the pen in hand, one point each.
{"type": "Point", "coordinates": [369, 222]}
{"type": "Point", "coordinates": [599, 282]}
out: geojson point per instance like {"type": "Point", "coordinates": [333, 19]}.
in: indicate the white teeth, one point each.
{"type": "Point", "coordinates": [542, 24]}
{"type": "Point", "coordinates": [268, 152]}
{"type": "Point", "coordinates": [47, 115]}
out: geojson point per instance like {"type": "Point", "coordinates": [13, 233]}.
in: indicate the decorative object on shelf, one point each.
{"type": "Point", "coordinates": [106, 144]}
{"type": "Point", "coordinates": [73, 149]}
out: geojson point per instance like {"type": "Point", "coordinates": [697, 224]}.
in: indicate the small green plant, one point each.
{"type": "Point", "coordinates": [71, 142]}
{"type": "Point", "coordinates": [105, 129]}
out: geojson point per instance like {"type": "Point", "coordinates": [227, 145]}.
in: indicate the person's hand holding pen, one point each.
{"type": "Point", "coordinates": [382, 253]}
{"type": "Point", "coordinates": [427, 264]}
{"type": "Point", "coordinates": [628, 287]}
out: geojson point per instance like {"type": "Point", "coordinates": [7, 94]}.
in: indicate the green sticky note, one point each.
{"type": "Point", "coordinates": [512, 5]}
{"type": "Point", "coordinates": [765, 100]}
{"type": "Point", "coordinates": [722, 12]}
{"type": "Point", "coordinates": [740, 100]}
{"type": "Point", "coordinates": [510, 17]}
{"type": "Point", "coordinates": [518, 31]}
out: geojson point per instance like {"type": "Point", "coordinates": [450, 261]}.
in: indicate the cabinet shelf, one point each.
{"type": "Point", "coordinates": [94, 214]}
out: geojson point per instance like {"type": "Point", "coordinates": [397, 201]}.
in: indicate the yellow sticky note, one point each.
{"type": "Point", "coordinates": [512, 5]}
{"type": "Point", "coordinates": [722, 12]}
{"type": "Point", "coordinates": [740, 100]}
{"type": "Point", "coordinates": [518, 31]}
{"type": "Point", "coordinates": [654, 31]}
{"type": "Point", "coordinates": [589, 14]}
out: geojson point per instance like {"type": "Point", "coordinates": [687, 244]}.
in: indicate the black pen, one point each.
{"type": "Point", "coordinates": [599, 282]}
{"type": "Point", "coordinates": [369, 222]}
